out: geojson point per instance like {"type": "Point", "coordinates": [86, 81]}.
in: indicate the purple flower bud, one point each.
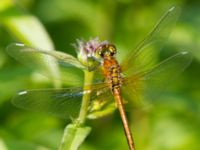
{"type": "Point", "coordinates": [88, 49]}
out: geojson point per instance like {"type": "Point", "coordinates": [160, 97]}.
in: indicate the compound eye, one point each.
{"type": "Point", "coordinates": [112, 49]}
{"type": "Point", "coordinates": [101, 53]}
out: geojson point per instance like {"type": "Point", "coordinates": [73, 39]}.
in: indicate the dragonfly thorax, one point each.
{"type": "Point", "coordinates": [112, 72]}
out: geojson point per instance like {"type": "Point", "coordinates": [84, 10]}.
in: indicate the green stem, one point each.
{"type": "Point", "coordinates": [86, 97]}
{"type": "Point", "coordinates": [76, 133]}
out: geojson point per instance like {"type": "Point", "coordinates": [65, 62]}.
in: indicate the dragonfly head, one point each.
{"type": "Point", "coordinates": [106, 50]}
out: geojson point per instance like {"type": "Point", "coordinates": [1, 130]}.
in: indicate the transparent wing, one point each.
{"type": "Point", "coordinates": [162, 75]}
{"type": "Point", "coordinates": [64, 103]}
{"type": "Point", "coordinates": [150, 83]}
{"type": "Point", "coordinates": [143, 56]}
{"type": "Point", "coordinates": [43, 61]}
{"type": "Point", "coordinates": [102, 104]}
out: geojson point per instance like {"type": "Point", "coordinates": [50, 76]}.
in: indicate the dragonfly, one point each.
{"type": "Point", "coordinates": [135, 75]}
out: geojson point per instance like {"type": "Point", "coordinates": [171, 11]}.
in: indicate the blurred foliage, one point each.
{"type": "Point", "coordinates": [173, 122]}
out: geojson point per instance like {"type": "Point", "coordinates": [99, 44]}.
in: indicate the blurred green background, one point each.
{"type": "Point", "coordinates": [172, 124]}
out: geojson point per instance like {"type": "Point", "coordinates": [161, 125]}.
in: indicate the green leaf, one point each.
{"type": "Point", "coordinates": [27, 29]}
{"type": "Point", "coordinates": [23, 26]}
{"type": "Point", "coordinates": [74, 137]}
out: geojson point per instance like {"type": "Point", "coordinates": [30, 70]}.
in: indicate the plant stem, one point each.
{"type": "Point", "coordinates": [86, 97]}
{"type": "Point", "coordinates": [76, 133]}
